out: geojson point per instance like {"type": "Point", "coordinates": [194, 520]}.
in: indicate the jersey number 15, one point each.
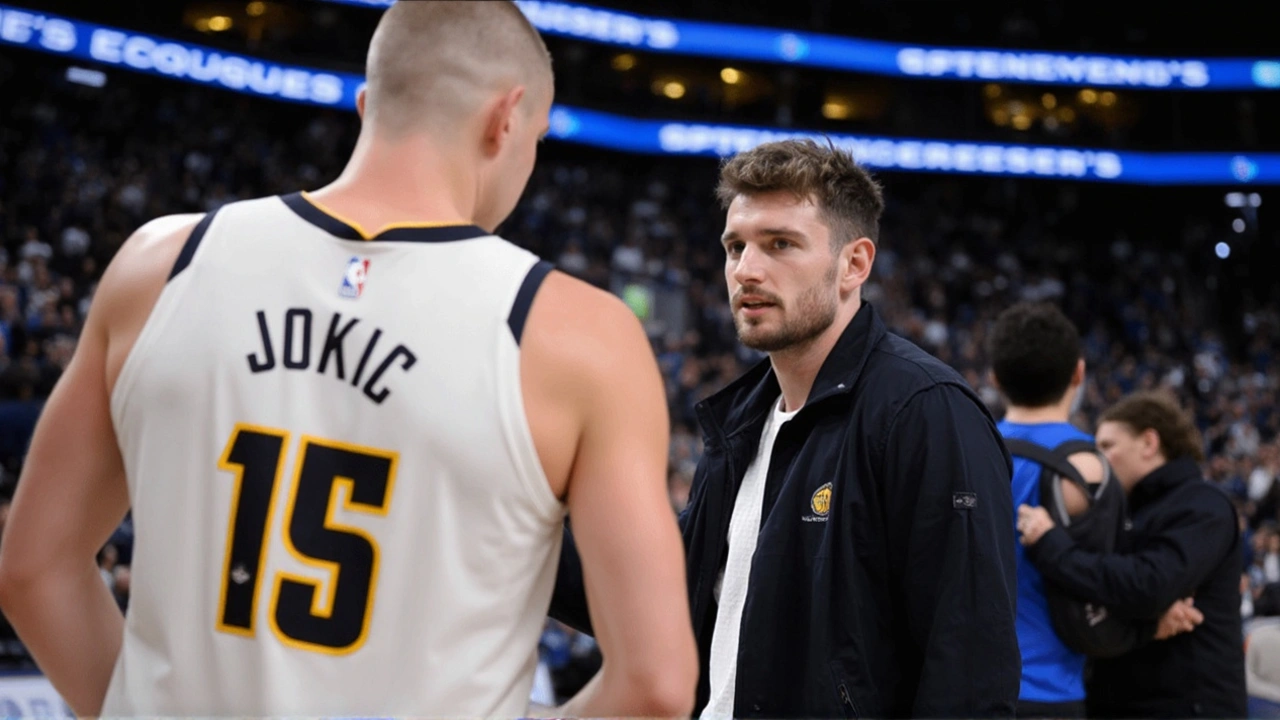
{"type": "Point", "coordinates": [335, 622]}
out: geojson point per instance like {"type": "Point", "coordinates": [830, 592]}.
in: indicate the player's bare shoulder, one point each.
{"type": "Point", "coordinates": [149, 254]}
{"type": "Point", "coordinates": [587, 325]}
{"type": "Point", "coordinates": [133, 282]}
{"type": "Point", "coordinates": [579, 338]}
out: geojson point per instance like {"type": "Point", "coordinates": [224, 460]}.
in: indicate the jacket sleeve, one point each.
{"type": "Point", "coordinates": [949, 508]}
{"type": "Point", "coordinates": [1143, 632]}
{"type": "Point", "coordinates": [1174, 559]}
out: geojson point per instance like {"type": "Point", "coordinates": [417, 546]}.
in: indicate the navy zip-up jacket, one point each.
{"type": "Point", "coordinates": [883, 583]}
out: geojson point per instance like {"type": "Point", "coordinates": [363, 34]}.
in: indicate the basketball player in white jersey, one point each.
{"type": "Point", "coordinates": [348, 425]}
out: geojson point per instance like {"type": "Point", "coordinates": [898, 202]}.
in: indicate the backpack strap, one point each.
{"type": "Point", "coordinates": [1055, 459]}
{"type": "Point", "coordinates": [1071, 447]}
{"type": "Point", "coordinates": [1054, 464]}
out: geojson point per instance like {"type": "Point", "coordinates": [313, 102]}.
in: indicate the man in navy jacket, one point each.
{"type": "Point", "coordinates": [848, 544]}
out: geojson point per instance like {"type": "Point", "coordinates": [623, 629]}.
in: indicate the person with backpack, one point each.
{"type": "Point", "coordinates": [1184, 541]}
{"type": "Point", "coordinates": [1036, 363]}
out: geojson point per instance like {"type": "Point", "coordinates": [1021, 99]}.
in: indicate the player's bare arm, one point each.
{"type": "Point", "coordinates": [72, 494]}
{"type": "Point", "coordinates": [595, 401]}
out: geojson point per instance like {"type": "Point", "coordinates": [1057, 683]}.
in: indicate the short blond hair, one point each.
{"type": "Point", "coordinates": [432, 61]}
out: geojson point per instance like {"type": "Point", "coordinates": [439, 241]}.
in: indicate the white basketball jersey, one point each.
{"type": "Point", "coordinates": [338, 506]}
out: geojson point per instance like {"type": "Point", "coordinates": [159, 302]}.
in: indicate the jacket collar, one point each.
{"type": "Point", "coordinates": [743, 403]}
{"type": "Point", "coordinates": [1163, 479]}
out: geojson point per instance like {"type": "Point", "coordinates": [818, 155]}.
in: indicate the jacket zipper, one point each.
{"type": "Point", "coordinates": [848, 702]}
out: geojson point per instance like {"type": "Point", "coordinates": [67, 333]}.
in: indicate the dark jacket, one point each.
{"type": "Point", "coordinates": [1184, 543]}
{"type": "Point", "coordinates": [883, 581]}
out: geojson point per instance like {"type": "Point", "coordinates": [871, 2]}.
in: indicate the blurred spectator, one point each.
{"type": "Point", "coordinates": [570, 657]}
{"type": "Point", "coordinates": [107, 559]}
{"type": "Point", "coordinates": [122, 576]}
{"type": "Point", "coordinates": [1263, 478]}
{"type": "Point", "coordinates": [1262, 671]}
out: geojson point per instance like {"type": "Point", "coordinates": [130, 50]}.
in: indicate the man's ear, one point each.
{"type": "Point", "coordinates": [855, 261]}
{"type": "Point", "coordinates": [499, 119]}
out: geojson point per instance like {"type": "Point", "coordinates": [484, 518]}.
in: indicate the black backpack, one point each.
{"type": "Point", "coordinates": [1082, 626]}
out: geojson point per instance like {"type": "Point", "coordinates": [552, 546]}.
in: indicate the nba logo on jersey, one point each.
{"type": "Point", "coordinates": [353, 278]}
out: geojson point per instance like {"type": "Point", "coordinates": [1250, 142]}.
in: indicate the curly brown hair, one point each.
{"type": "Point", "coordinates": [1158, 410]}
{"type": "Point", "coordinates": [849, 200]}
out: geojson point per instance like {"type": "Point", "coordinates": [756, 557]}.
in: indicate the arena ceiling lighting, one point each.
{"type": "Point", "coordinates": [1239, 200]}
{"type": "Point", "coordinates": [140, 52]}
{"type": "Point", "coordinates": [741, 42]}
{"type": "Point", "coordinates": [87, 77]}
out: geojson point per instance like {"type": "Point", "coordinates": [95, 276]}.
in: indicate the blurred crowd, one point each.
{"type": "Point", "coordinates": [80, 168]}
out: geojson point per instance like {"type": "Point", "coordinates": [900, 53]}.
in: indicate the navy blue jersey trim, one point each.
{"type": "Point", "coordinates": [320, 218]}
{"type": "Point", "coordinates": [192, 243]}
{"type": "Point", "coordinates": [524, 298]}
{"type": "Point", "coordinates": [305, 209]}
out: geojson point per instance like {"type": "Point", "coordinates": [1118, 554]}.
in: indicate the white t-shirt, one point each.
{"type": "Point", "coordinates": [744, 530]}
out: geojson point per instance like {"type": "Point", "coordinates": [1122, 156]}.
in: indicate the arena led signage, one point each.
{"type": "Point", "coordinates": [740, 42]}
{"type": "Point", "coordinates": [140, 52]}
{"type": "Point", "coordinates": [144, 53]}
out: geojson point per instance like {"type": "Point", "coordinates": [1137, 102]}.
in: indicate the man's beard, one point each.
{"type": "Point", "coordinates": [814, 312]}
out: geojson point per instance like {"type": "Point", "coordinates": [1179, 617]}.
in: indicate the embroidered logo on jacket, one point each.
{"type": "Point", "coordinates": [820, 504]}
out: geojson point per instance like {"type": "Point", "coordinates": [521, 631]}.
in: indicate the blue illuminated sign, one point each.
{"type": "Point", "coordinates": [680, 138]}
{"type": "Point", "coordinates": [1266, 73]}
{"type": "Point", "coordinates": [148, 54]}
{"type": "Point", "coordinates": [145, 53]}
{"type": "Point", "coordinates": [738, 42]}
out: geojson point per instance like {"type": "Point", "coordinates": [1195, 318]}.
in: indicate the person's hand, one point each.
{"type": "Point", "coordinates": [1033, 523]}
{"type": "Point", "coordinates": [1181, 617]}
